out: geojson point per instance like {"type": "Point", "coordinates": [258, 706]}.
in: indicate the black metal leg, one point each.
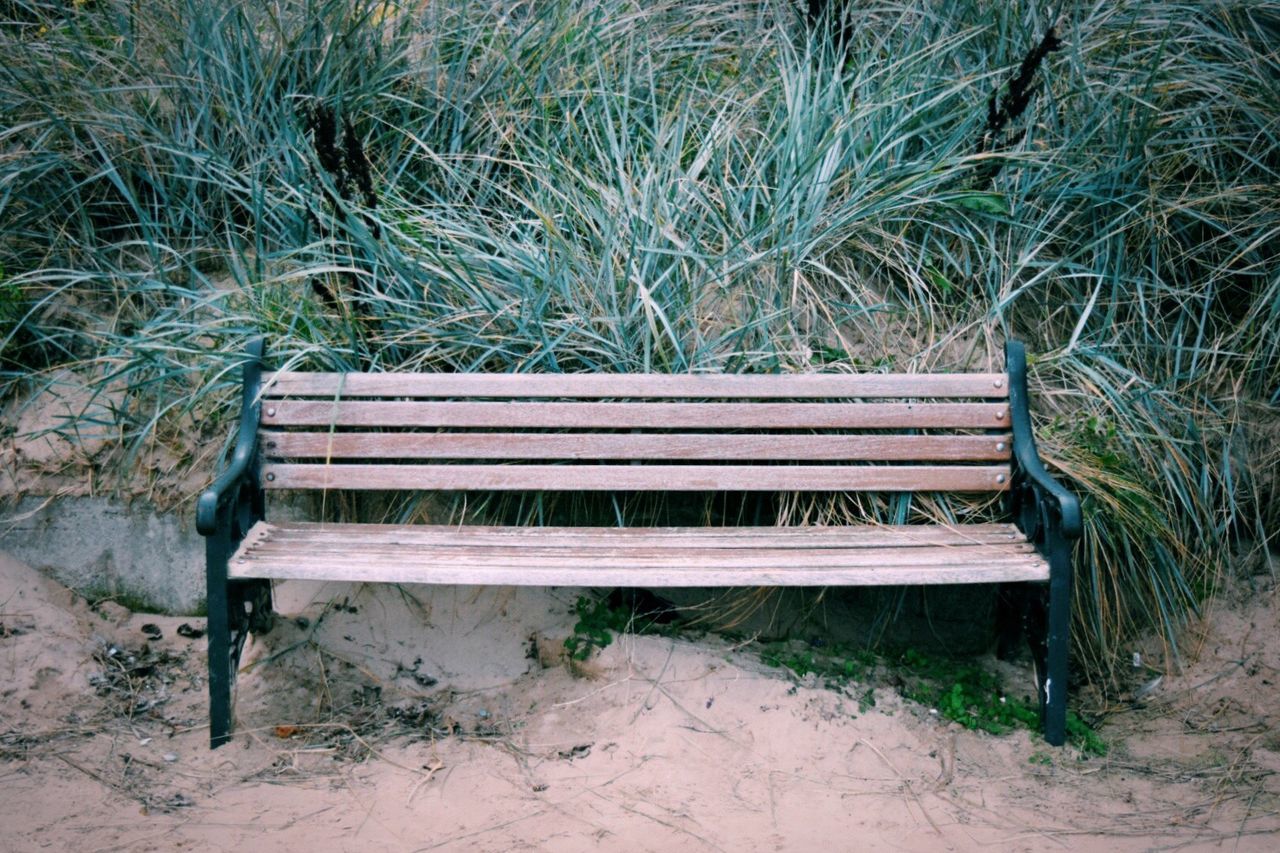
{"type": "Point", "coordinates": [1048, 634]}
{"type": "Point", "coordinates": [219, 632]}
{"type": "Point", "coordinates": [1059, 644]}
{"type": "Point", "coordinates": [235, 609]}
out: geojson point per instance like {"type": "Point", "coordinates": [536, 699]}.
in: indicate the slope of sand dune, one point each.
{"type": "Point", "coordinates": [447, 719]}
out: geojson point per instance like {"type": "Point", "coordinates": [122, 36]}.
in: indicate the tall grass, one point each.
{"type": "Point", "coordinates": [675, 186]}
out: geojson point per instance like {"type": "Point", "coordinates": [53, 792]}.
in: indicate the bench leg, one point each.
{"type": "Point", "coordinates": [236, 608]}
{"type": "Point", "coordinates": [1044, 618]}
{"type": "Point", "coordinates": [221, 669]}
{"type": "Point", "coordinates": [1048, 634]}
{"type": "Point", "coordinates": [1059, 644]}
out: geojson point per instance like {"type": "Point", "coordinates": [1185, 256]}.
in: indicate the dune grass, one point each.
{"type": "Point", "coordinates": [672, 186]}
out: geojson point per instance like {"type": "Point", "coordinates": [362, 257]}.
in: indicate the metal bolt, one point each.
{"type": "Point", "coordinates": [999, 478]}
{"type": "Point", "coordinates": [271, 413]}
{"type": "Point", "coordinates": [271, 477]}
{"type": "Point", "coordinates": [999, 383]}
{"type": "Point", "coordinates": [1000, 415]}
{"type": "Point", "coordinates": [999, 445]}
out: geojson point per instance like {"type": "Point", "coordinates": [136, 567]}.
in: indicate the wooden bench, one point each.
{"type": "Point", "coordinates": [615, 433]}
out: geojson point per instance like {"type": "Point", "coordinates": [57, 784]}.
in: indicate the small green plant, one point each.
{"type": "Point", "coordinates": [596, 625]}
{"type": "Point", "coordinates": [836, 667]}
{"type": "Point", "coordinates": [973, 697]}
{"type": "Point", "coordinates": [1083, 735]}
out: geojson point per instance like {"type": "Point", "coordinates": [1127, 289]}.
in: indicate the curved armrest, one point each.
{"type": "Point", "coordinates": [242, 458]}
{"type": "Point", "coordinates": [1025, 454]}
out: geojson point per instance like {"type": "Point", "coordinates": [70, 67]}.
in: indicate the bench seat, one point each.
{"type": "Point", "coordinates": [638, 556]}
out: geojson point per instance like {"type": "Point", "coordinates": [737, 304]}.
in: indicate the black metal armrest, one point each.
{"type": "Point", "coordinates": [1026, 458]}
{"type": "Point", "coordinates": [227, 485]}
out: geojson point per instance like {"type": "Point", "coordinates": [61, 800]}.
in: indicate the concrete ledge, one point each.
{"type": "Point", "coordinates": [104, 548]}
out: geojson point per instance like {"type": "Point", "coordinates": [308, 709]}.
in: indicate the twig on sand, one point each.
{"type": "Point", "coordinates": [658, 820]}
{"type": "Point", "coordinates": [947, 758]}
{"type": "Point", "coordinates": [1170, 698]}
{"type": "Point", "coordinates": [584, 697]}
{"type": "Point", "coordinates": [86, 771]}
{"type": "Point", "coordinates": [454, 839]}
{"type": "Point", "coordinates": [431, 769]}
{"type": "Point", "coordinates": [655, 685]}
{"type": "Point", "coordinates": [654, 682]}
{"type": "Point", "coordinates": [343, 727]}
{"type": "Point", "coordinates": [906, 783]}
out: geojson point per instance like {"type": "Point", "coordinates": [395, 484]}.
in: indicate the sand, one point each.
{"type": "Point", "coordinates": [392, 719]}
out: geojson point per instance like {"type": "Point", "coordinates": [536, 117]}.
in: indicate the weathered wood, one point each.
{"type": "Point", "coordinates": [638, 386]}
{"type": "Point", "coordinates": [680, 558]}
{"type": "Point", "coordinates": [433, 569]}
{"type": "Point", "coordinates": [868, 536]}
{"type": "Point", "coordinates": [685, 478]}
{"type": "Point", "coordinates": [382, 413]}
{"type": "Point", "coordinates": [401, 445]}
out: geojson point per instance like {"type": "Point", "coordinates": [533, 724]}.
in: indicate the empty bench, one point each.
{"type": "Point", "coordinates": [967, 432]}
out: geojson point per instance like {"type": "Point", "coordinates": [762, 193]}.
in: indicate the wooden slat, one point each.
{"type": "Point", "coordinates": [300, 533]}
{"type": "Point", "coordinates": [432, 568]}
{"type": "Point", "coordinates": [637, 556]}
{"type": "Point", "coordinates": [886, 448]}
{"type": "Point", "coordinates": [365, 413]}
{"type": "Point", "coordinates": [675, 559]}
{"type": "Point", "coordinates": [968, 478]}
{"type": "Point", "coordinates": [653, 385]}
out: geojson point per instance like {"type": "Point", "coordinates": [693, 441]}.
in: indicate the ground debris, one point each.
{"type": "Point", "coordinates": [138, 681]}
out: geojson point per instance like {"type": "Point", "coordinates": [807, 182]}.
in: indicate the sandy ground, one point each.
{"type": "Point", "coordinates": [417, 719]}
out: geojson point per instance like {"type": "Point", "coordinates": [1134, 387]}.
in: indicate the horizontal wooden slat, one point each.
{"type": "Point", "coordinates": [674, 559]}
{"type": "Point", "coordinates": [651, 385]}
{"type": "Point", "coordinates": [365, 413]}
{"type": "Point", "coordinates": [437, 572]}
{"type": "Point", "coordinates": [887, 448]}
{"type": "Point", "coordinates": [686, 560]}
{"type": "Point", "coordinates": [969, 478]}
{"type": "Point", "coordinates": [301, 533]}
{"type": "Point", "coordinates": [655, 557]}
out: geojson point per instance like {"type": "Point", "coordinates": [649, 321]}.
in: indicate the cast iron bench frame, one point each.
{"type": "Point", "coordinates": [372, 431]}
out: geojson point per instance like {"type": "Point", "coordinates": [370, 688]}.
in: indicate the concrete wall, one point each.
{"type": "Point", "coordinates": [104, 548]}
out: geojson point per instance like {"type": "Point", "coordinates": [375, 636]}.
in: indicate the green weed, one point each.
{"type": "Point", "coordinates": [972, 696]}
{"type": "Point", "coordinates": [836, 666]}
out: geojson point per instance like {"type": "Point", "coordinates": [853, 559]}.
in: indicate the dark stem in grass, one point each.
{"type": "Point", "coordinates": [1001, 112]}
{"type": "Point", "coordinates": [830, 19]}
{"type": "Point", "coordinates": [343, 158]}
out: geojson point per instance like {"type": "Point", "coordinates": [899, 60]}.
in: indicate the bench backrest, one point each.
{"type": "Point", "coordinates": [589, 432]}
